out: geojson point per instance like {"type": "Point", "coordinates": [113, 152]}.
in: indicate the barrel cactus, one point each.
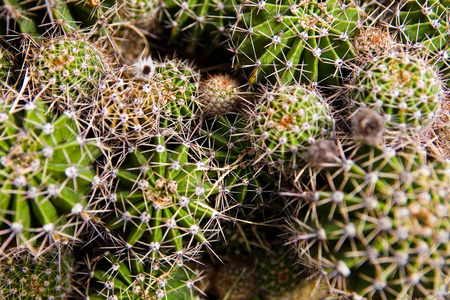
{"type": "Point", "coordinates": [46, 172]}
{"type": "Point", "coordinates": [67, 70]}
{"type": "Point", "coordinates": [159, 198]}
{"type": "Point", "coordinates": [23, 276]}
{"type": "Point", "coordinates": [158, 98]}
{"type": "Point", "coordinates": [286, 122]}
{"type": "Point", "coordinates": [295, 41]}
{"type": "Point", "coordinates": [116, 277]}
{"type": "Point", "coordinates": [378, 227]}
{"type": "Point", "coordinates": [404, 88]}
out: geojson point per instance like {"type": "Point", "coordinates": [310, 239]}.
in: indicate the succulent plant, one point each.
{"type": "Point", "coordinates": [46, 171]}
{"type": "Point", "coordinates": [423, 24]}
{"type": "Point", "coordinates": [194, 23]}
{"type": "Point", "coordinates": [23, 276]}
{"type": "Point", "coordinates": [67, 70]}
{"type": "Point", "coordinates": [159, 199]}
{"type": "Point", "coordinates": [158, 99]}
{"type": "Point", "coordinates": [228, 143]}
{"type": "Point", "coordinates": [114, 277]}
{"type": "Point", "coordinates": [286, 121]}
{"type": "Point", "coordinates": [295, 41]}
{"type": "Point", "coordinates": [220, 94]}
{"type": "Point", "coordinates": [378, 225]}
{"type": "Point", "coordinates": [403, 88]}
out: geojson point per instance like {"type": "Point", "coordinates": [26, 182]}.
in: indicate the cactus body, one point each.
{"type": "Point", "coordinates": [68, 69]}
{"type": "Point", "coordinates": [116, 278]}
{"type": "Point", "coordinates": [26, 277]}
{"type": "Point", "coordinates": [46, 172]}
{"type": "Point", "coordinates": [160, 198]}
{"type": "Point", "coordinates": [159, 99]}
{"type": "Point", "coordinates": [228, 139]}
{"type": "Point", "coordinates": [379, 226]}
{"type": "Point", "coordinates": [286, 122]}
{"type": "Point", "coordinates": [403, 88]}
{"type": "Point", "coordinates": [290, 41]}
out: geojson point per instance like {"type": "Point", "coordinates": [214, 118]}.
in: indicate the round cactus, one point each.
{"type": "Point", "coordinates": [68, 69]}
{"type": "Point", "coordinates": [158, 99]}
{"type": "Point", "coordinates": [379, 226]}
{"type": "Point", "coordinates": [219, 94]}
{"type": "Point", "coordinates": [286, 122]}
{"type": "Point", "coordinates": [160, 197]}
{"type": "Point", "coordinates": [291, 41]}
{"type": "Point", "coordinates": [119, 278]}
{"type": "Point", "coordinates": [405, 89]}
{"type": "Point", "coordinates": [46, 172]}
{"type": "Point", "coordinates": [24, 276]}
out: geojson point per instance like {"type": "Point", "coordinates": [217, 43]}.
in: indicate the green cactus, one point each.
{"type": "Point", "coordinates": [423, 23]}
{"type": "Point", "coordinates": [302, 42]}
{"type": "Point", "coordinates": [194, 22]}
{"type": "Point", "coordinates": [227, 139]}
{"type": "Point", "coordinates": [26, 277]}
{"type": "Point", "coordinates": [403, 88]}
{"type": "Point", "coordinates": [378, 226]}
{"type": "Point", "coordinates": [286, 122]}
{"type": "Point", "coordinates": [158, 99]}
{"type": "Point", "coordinates": [68, 69]}
{"type": "Point", "coordinates": [46, 171]}
{"type": "Point", "coordinates": [160, 198]}
{"type": "Point", "coordinates": [118, 278]}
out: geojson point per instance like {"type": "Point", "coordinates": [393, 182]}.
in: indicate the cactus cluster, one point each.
{"type": "Point", "coordinates": [235, 149]}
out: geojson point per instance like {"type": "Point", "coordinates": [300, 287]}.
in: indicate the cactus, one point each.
{"type": "Point", "coordinates": [424, 24]}
{"type": "Point", "coordinates": [302, 42]}
{"type": "Point", "coordinates": [24, 276]}
{"type": "Point", "coordinates": [160, 198]}
{"type": "Point", "coordinates": [118, 278]}
{"type": "Point", "coordinates": [227, 139]}
{"type": "Point", "coordinates": [197, 22]}
{"type": "Point", "coordinates": [378, 227]}
{"type": "Point", "coordinates": [68, 69]}
{"type": "Point", "coordinates": [158, 99]}
{"type": "Point", "coordinates": [406, 90]}
{"type": "Point", "coordinates": [46, 172]}
{"type": "Point", "coordinates": [220, 94]}
{"type": "Point", "coordinates": [286, 122]}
